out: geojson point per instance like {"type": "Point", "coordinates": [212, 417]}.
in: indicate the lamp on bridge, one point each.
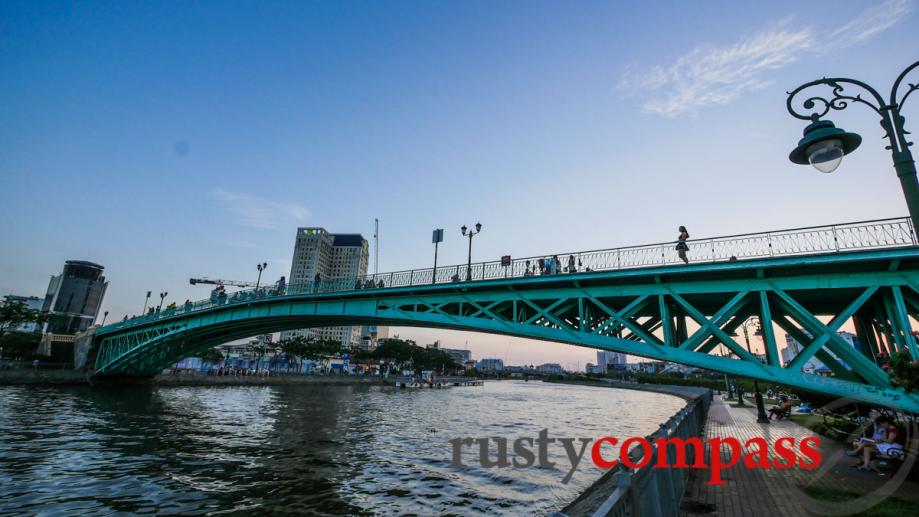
{"type": "Point", "coordinates": [261, 267]}
{"type": "Point", "coordinates": [824, 145]}
{"type": "Point", "coordinates": [470, 234]}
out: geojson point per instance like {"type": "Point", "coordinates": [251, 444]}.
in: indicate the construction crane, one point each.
{"type": "Point", "coordinates": [219, 282]}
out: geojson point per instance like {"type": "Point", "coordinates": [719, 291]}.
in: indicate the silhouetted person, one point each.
{"type": "Point", "coordinates": [681, 246]}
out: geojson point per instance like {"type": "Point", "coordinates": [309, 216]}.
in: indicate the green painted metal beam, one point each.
{"type": "Point", "coordinates": [596, 310]}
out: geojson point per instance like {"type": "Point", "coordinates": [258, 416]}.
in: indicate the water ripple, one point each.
{"type": "Point", "coordinates": [314, 450]}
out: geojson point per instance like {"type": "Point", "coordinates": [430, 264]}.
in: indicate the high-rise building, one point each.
{"type": "Point", "coordinates": [74, 297]}
{"type": "Point", "coordinates": [371, 335]}
{"type": "Point", "coordinates": [490, 365]}
{"type": "Point", "coordinates": [334, 257]}
{"type": "Point", "coordinates": [610, 360]}
{"type": "Point", "coordinates": [793, 347]}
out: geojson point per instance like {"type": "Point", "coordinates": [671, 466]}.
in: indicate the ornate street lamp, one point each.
{"type": "Point", "coordinates": [162, 297]}
{"type": "Point", "coordinates": [824, 145]}
{"type": "Point", "coordinates": [470, 234]}
{"type": "Point", "coordinates": [760, 408]}
{"type": "Point", "coordinates": [261, 267]}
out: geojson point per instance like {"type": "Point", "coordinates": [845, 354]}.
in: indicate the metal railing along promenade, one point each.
{"type": "Point", "coordinates": [648, 490]}
{"type": "Point", "coordinates": [877, 234]}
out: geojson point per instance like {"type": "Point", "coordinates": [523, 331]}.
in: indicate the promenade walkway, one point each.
{"type": "Point", "coordinates": [778, 492]}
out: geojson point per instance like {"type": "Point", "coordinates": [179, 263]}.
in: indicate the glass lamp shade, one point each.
{"type": "Point", "coordinates": [826, 155]}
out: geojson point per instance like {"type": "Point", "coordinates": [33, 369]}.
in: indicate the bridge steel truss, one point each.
{"type": "Point", "coordinates": [685, 314]}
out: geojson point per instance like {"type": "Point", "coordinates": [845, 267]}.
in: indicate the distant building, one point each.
{"type": "Point", "coordinates": [793, 347]}
{"type": "Point", "coordinates": [335, 257]}
{"type": "Point", "coordinates": [72, 304]}
{"type": "Point", "coordinates": [74, 297]}
{"type": "Point", "coordinates": [647, 366]}
{"type": "Point", "coordinates": [371, 336]}
{"type": "Point", "coordinates": [460, 356]}
{"type": "Point", "coordinates": [490, 365]}
{"type": "Point", "coordinates": [549, 368]}
{"type": "Point", "coordinates": [610, 360]}
{"type": "Point", "coordinates": [595, 369]}
{"type": "Point", "coordinates": [33, 302]}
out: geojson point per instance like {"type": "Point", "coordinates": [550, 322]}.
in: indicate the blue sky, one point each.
{"type": "Point", "coordinates": [175, 139]}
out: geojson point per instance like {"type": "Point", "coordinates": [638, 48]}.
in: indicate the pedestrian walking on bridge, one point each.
{"type": "Point", "coordinates": [681, 246]}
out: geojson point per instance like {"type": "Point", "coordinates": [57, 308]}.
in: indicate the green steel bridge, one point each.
{"type": "Point", "coordinates": [641, 300]}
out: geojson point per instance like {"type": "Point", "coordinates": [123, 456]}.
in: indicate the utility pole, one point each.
{"type": "Point", "coordinates": [437, 237]}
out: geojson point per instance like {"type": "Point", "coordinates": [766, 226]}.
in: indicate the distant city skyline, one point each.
{"type": "Point", "coordinates": [559, 128]}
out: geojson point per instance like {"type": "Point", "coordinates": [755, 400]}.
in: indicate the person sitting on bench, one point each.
{"type": "Point", "coordinates": [884, 446]}
{"type": "Point", "coordinates": [877, 433]}
{"type": "Point", "coordinates": [782, 410]}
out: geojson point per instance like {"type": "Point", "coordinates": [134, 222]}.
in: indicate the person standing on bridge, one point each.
{"type": "Point", "coordinates": [681, 246]}
{"type": "Point", "coordinates": [316, 280]}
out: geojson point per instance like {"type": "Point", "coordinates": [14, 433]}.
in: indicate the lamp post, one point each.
{"type": "Point", "coordinates": [468, 232]}
{"type": "Point", "coordinates": [760, 409]}
{"type": "Point", "coordinates": [261, 267]}
{"type": "Point", "coordinates": [727, 385]}
{"type": "Point", "coordinates": [104, 315]}
{"type": "Point", "coordinates": [163, 296]}
{"type": "Point", "coordinates": [824, 145]}
{"type": "Point", "coordinates": [145, 303]}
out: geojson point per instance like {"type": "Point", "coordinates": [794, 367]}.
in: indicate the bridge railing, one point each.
{"type": "Point", "coordinates": [878, 234]}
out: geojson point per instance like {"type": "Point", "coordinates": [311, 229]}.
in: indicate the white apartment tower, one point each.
{"type": "Point", "coordinates": [335, 256]}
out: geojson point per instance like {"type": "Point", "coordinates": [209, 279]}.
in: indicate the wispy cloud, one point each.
{"type": "Point", "coordinates": [258, 212]}
{"type": "Point", "coordinates": [871, 21]}
{"type": "Point", "coordinates": [712, 75]}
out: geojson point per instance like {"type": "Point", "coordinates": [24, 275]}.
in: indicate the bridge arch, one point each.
{"type": "Point", "coordinates": [683, 314]}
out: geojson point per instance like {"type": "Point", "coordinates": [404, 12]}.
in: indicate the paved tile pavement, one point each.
{"type": "Point", "coordinates": [773, 491]}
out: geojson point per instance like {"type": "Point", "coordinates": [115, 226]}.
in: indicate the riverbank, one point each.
{"type": "Point", "coordinates": [66, 377]}
{"type": "Point", "coordinates": [608, 495]}
{"type": "Point", "coordinates": [76, 378]}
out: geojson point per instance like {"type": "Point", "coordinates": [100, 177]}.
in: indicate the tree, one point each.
{"type": "Point", "coordinates": [211, 355]}
{"type": "Point", "coordinates": [402, 352]}
{"type": "Point", "coordinates": [296, 348]}
{"type": "Point", "coordinates": [259, 348]}
{"type": "Point", "coordinates": [14, 314]}
{"type": "Point", "coordinates": [20, 344]}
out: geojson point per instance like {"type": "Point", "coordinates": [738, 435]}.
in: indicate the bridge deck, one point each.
{"type": "Point", "coordinates": [688, 314]}
{"type": "Point", "coordinates": [811, 249]}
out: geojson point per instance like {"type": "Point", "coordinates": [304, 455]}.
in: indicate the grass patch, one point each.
{"type": "Point", "coordinates": [890, 507]}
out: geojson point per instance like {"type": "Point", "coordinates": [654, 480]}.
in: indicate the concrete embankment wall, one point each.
{"type": "Point", "coordinates": [607, 496]}
{"type": "Point", "coordinates": [273, 380]}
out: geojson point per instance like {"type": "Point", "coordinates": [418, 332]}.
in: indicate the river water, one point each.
{"type": "Point", "coordinates": [304, 449]}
